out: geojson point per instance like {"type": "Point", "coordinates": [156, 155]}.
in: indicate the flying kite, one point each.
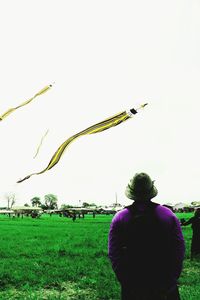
{"type": "Point", "coordinates": [38, 148]}
{"type": "Point", "coordinates": [10, 110]}
{"type": "Point", "coordinates": [106, 124]}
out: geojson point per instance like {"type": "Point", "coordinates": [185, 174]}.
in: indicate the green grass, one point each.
{"type": "Point", "coordinates": [56, 258]}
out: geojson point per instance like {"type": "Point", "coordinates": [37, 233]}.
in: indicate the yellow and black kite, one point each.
{"type": "Point", "coordinates": [106, 124]}
{"type": "Point", "coordinates": [10, 110]}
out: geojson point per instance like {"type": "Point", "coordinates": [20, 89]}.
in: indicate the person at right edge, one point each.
{"type": "Point", "coordinates": [146, 245]}
{"type": "Point", "coordinates": [195, 221]}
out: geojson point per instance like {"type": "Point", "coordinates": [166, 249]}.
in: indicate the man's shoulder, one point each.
{"type": "Point", "coordinates": [122, 215]}
{"type": "Point", "coordinates": [165, 210]}
{"type": "Point", "coordinates": [166, 215]}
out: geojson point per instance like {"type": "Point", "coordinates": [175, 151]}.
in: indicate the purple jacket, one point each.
{"type": "Point", "coordinates": [167, 220]}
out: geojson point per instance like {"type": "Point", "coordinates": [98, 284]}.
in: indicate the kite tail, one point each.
{"type": "Point", "coordinates": [27, 177]}
{"type": "Point", "coordinates": [55, 158]}
{"type": "Point", "coordinates": [9, 111]}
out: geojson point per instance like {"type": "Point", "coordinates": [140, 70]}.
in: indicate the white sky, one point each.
{"type": "Point", "coordinates": [105, 57]}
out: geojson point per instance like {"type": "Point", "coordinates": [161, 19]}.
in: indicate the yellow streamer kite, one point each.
{"type": "Point", "coordinates": [106, 124]}
{"type": "Point", "coordinates": [9, 111]}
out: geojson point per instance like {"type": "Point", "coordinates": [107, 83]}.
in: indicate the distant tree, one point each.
{"type": "Point", "coordinates": [26, 204]}
{"type": "Point", "coordinates": [195, 203]}
{"type": "Point", "coordinates": [11, 199]}
{"type": "Point", "coordinates": [85, 204]}
{"type": "Point", "coordinates": [51, 201]}
{"type": "Point", "coordinates": [36, 201]}
{"type": "Point", "coordinates": [43, 206]}
{"type": "Point", "coordinates": [65, 206]}
{"type": "Point", "coordinates": [93, 204]}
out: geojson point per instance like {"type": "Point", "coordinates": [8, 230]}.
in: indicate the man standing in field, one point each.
{"type": "Point", "coordinates": [146, 245]}
{"type": "Point", "coordinates": [195, 221]}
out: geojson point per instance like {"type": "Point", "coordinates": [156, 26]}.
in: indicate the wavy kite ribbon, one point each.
{"type": "Point", "coordinates": [38, 148]}
{"type": "Point", "coordinates": [10, 110]}
{"type": "Point", "coordinates": [104, 125]}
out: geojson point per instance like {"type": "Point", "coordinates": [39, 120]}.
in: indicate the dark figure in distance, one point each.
{"type": "Point", "coordinates": [195, 221]}
{"type": "Point", "coordinates": [74, 217]}
{"type": "Point", "coordinates": [146, 245]}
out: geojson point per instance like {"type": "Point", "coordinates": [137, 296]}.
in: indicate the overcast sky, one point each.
{"type": "Point", "coordinates": [104, 57]}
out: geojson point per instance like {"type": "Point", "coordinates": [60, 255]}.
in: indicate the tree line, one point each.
{"type": "Point", "coordinates": [50, 202]}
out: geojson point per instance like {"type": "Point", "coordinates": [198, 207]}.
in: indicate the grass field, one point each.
{"type": "Point", "coordinates": [56, 258]}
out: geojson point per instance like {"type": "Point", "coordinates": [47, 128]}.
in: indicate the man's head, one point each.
{"type": "Point", "coordinates": [141, 188]}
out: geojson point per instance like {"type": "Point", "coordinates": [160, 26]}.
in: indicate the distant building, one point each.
{"type": "Point", "coordinates": [116, 205]}
{"type": "Point", "coordinates": [25, 209]}
{"type": "Point", "coordinates": [6, 211]}
{"type": "Point", "coordinates": [180, 206]}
